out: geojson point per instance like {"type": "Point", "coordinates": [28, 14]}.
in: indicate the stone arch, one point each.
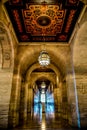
{"type": "Point", "coordinates": [28, 55]}
{"type": "Point", "coordinates": [80, 46]}
{"type": "Point", "coordinates": [7, 54]}
{"type": "Point", "coordinates": [6, 71]}
{"type": "Point", "coordinates": [80, 64]}
{"type": "Point", "coordinates": [51, 66]}
{"type": "Point", "coordinates": [34, 66]}
{"type": "Point", "coordinates": [41, 76]}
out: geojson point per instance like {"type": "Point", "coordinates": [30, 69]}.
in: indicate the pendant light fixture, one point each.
{"type": "Point", "coordinates": [43, 85]}
{"type": "Point", "coordinates": [44, 58]}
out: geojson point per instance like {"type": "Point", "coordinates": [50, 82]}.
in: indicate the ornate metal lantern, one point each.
{"type": "Point", "coordinates": [43, 85]}
{"type": "Point", "coordinates": [44, 58]}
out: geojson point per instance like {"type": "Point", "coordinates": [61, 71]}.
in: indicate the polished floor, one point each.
{"type": "Point", "coordinates": [43, 117]}
{"type": "Point", "coordinates": [45, 123]}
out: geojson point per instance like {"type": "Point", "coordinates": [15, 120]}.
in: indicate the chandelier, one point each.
{"type": "Point", "coordinates": [43, 85]}
{"type": "Point", "coordinates": [44, 58]}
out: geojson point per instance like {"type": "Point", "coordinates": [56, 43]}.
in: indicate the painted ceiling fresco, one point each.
{"type": "Point", "coordinates": [39, 20]}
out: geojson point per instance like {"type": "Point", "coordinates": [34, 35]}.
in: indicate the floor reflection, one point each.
{"type": "Point", "coordinates": [47, 108]}
{"type": "Point", "coordinates": [45, 124]}
{"type": "Point", "coordinates": [43, 116]}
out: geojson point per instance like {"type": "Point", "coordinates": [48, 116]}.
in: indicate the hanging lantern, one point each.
{"type": "Point", "coordinates": [44, 58]}
{"type": "Point", "coordinates": [43, 85]}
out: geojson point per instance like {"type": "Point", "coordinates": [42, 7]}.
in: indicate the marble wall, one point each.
{"type": "Point", "coordinates": [5, 91]}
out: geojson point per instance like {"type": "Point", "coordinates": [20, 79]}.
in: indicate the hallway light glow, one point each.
{"type": "Point", "coordinates": [44, 58]}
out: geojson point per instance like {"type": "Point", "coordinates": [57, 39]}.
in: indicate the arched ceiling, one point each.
{"type": "Point", "coordinates": [80, 59]}
{"type": "Point", "coordinates": [28, 56]}
{"type": "Point", "coordinates": [6, 51]}
{"type": "Point", "coordinates": [39, 21]}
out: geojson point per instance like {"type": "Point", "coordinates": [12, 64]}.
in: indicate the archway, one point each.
{"type": "Point", "coordinates": [6, 72]}
{"type": "Point", "coordinates": [43, 100]}
{"type": "Point", "coordinates": [24, 70]}
{"type": "Point", "coordinates": [80, 63]}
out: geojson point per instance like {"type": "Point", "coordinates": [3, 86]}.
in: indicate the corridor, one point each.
{"type": "Point", "coordinates": [43, 113]}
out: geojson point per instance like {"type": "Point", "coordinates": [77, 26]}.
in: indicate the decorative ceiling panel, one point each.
{"type": "Point", "coordinates": [50, 20]}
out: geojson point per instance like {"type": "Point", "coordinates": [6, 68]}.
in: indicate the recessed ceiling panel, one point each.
{"type": "Point", "coordinates": [39, 21]}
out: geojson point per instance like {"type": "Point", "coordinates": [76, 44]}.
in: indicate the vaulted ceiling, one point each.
{"type": "Point", "coordinates": [40, 21]}
{"type": "Point", "coordinates": [43, 20]}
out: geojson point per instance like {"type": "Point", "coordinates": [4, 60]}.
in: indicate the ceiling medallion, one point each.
{"type": "Point", "coordinates": [43, 21]}
{"type": "Point", "coordinates": [44, 58]}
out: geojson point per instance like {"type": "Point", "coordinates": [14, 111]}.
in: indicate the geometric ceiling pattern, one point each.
{"type": "Point", "coordinates": [39, 20]}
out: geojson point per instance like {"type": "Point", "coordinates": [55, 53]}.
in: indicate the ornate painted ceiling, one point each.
{"type": "Point", "coordinates": [39, 20]}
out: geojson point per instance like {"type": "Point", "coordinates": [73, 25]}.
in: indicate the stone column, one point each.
{"type": "Point", "coordinates": [13, 117]}
{"type": "Point", "coordinates": [30, 101]}
{"type": "Point", "coordinates": [73, 112]}
{"type": "Point", "coordinates": [59, 93]}
{"type": "Point", "coordinates": [64, 100]}
{"type": "Point", "coordinates": [57, 101]}
{"type": "Point", "coordinates": [23, 102]}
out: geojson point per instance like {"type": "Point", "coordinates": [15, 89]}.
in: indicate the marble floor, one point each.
{"type": "Point", "coordinates": [45, 123]}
